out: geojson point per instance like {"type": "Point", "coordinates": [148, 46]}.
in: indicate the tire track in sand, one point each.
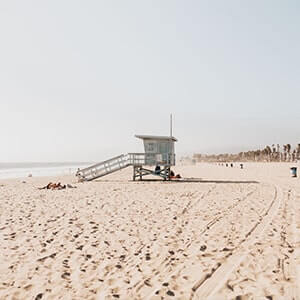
{"type": "Point", "coordinates": [208, 225]}
{"type": "Point", "coordinates": [293, 270]}
{"type": "Point", "coordinates": [135, 260]}
{"type": "Point", "coordinates": [207, 287]}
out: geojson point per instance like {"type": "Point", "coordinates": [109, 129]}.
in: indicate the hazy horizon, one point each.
{"type": "Point", "coordinates": [80, 79]}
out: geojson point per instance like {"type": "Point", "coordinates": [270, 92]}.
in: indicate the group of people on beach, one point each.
{"type": "Point", "coordinates": [56, 186]}
{"type": "Point", "coordinates": [53, 186]}
{"type": "Point", "coordinates": [231, 165]}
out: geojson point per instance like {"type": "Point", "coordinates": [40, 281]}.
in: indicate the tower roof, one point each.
{"type": "Point", "coordinates": [156, 137]}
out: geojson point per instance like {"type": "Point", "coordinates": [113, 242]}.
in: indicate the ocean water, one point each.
{"type": "Point", "coordinates": [20, 170]}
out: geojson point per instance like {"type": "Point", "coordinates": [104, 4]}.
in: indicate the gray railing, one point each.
{"type": "Point", "coordinates": [152, 159]}
{"type": "Point", "coordinates": [103, 168]}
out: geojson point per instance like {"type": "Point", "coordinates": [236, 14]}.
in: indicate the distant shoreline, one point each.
{"type": "Point", "coordinates": [6, 165]}
{"type": "Point", "coordinates": [22, 170]}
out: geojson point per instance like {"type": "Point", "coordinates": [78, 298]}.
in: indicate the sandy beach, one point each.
{"type": "Point", "coordinates": [226, 233]}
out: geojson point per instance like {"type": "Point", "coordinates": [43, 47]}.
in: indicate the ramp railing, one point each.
{"type": "Point", "coordinates": [103, 168]}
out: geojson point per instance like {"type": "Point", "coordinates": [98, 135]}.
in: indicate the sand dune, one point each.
{"type": "Point", "coordinates": [233, 235]}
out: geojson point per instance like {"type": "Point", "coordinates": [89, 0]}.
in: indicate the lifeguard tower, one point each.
{"type": "Point", "coordinates": [159, 153]}
{"type": "Point", "coordinates": [157, 160]}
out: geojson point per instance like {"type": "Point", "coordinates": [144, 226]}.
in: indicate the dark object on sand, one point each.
{"type": "Point", "coordinates": [157, 170]}
{"type": "Point", "coordinates": [242, 166]}
{"type": "Point", "coordinates": [53, 186]}
{"type": "Point", "coordinates": [203, 248]}
{"type": "Point", "coordinates": [231, 165]}
{"type": "Point", "coordinates": [294, 171]}
{"type": "Point", "coordinates": [173, 176]}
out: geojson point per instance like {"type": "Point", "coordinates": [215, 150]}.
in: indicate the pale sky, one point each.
{"type": "Point", "coordinates": [79, 78]}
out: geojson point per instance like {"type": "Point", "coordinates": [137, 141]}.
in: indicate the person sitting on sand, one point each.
{"type": "Point", "coordinates": [157, 170]}
{"type": "Point", "coordinates": [173, 176]}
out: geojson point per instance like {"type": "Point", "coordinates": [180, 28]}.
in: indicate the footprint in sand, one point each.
{"type": "Point", "coordinates": [66, 275]}
{"type": "Point", "coordinates": [38, 296]}
{"type": "Point", "coordinates": [170, 293]}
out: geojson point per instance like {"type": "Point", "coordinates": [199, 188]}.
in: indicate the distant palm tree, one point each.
{"type": "Point", "coordinates": [278, 152]}
{"type": "Point", "coordinates": [268, 151]}
{"type": "Point", "coordinates": [273, 152]}
{"type": "Point", "coordinates": [288, 149]}
{"type": "Point", "coordinates": [298, 151]}
{"type": "Point", "coordinates": [284, 152]}
{"type": "Point", "coordinates": [257, 155]}
{"type": "Point", "coordinates": [294, 155]}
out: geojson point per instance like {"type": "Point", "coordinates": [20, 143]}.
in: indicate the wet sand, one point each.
{"type": "Point", "coordinates": [227, 233]}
